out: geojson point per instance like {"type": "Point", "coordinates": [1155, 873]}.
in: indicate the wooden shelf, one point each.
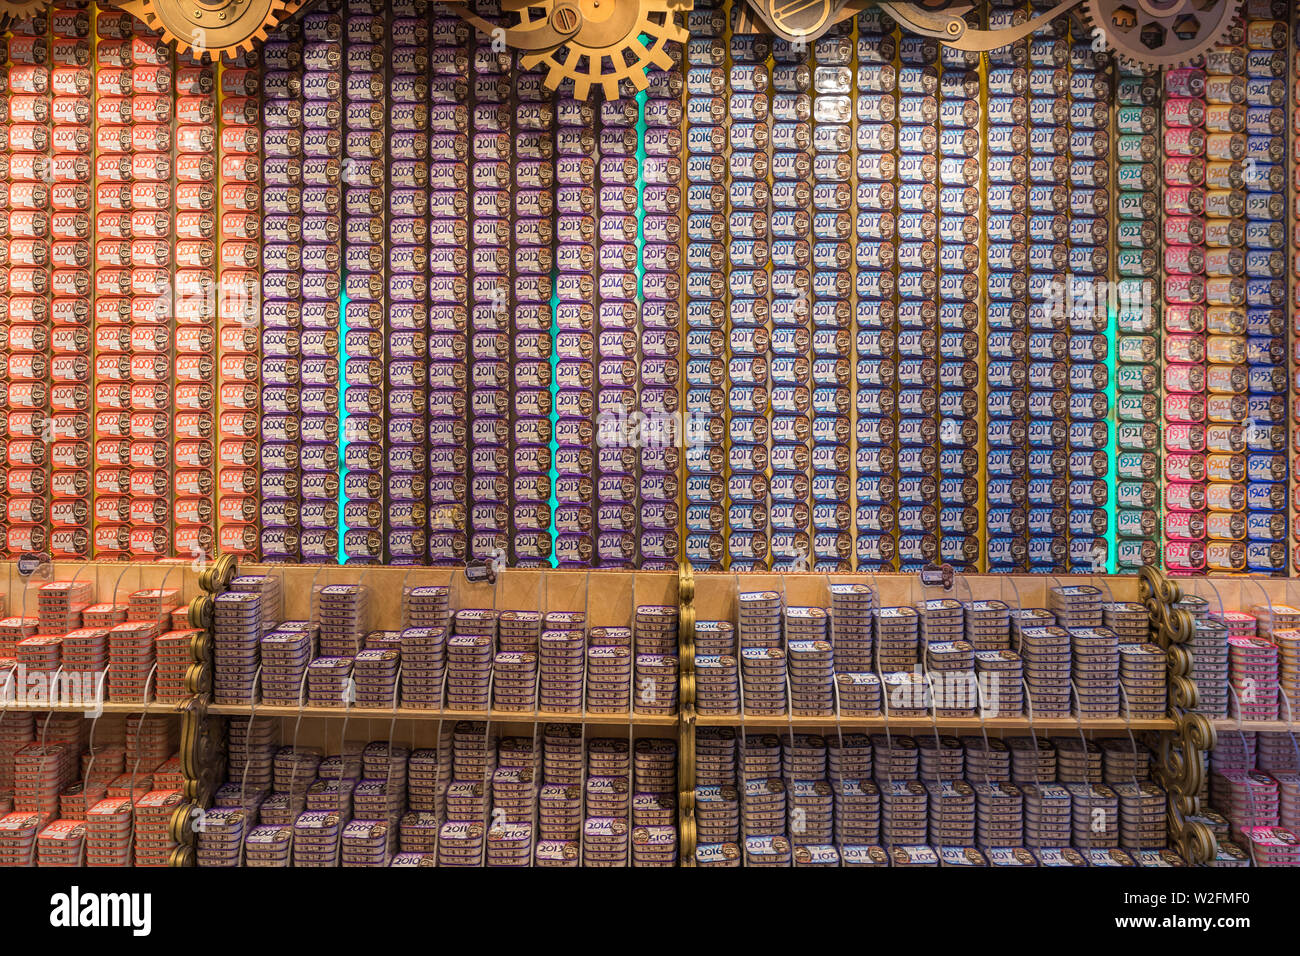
{"type": "Point", "coordinates": [400, 713]}
{"type": "Point", "coordinates": [1255, 726]}
{"type": "Point", "coordinates": [107, 707]}
{"type": "Point", "coordinates": [1038, 725]}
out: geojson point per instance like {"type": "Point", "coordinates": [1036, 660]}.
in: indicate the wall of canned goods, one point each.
{"type": "Point", "coordinates": [374, 294]}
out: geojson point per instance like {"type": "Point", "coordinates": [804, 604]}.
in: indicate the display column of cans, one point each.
{"type": "Point", "coordinates": [943, 401]}
{"type": "Point", "coordinates": [368, 453]}
{"type": "Point", "coordinates": [195, 334]}
{"type": "Point", "coordinates": [514, 668]}
{"type": "Point", "coordinates": [810, 808]}
{"type": "Point", "coordinates": [762, 653]}
{"type": "Point", "coordinates": [320, 346]}
{"type": "Point", "coordinates": [156, 196]}
{"type": "Point", "coordinates": [462, 839]}
{"type": "Point", "coordinates": [717, 798]}
{"type": "Point", "coordinates": [948, 245]}
{"type": "Point", "coordinates": [751, 359]}
{"type": "Point", "coordinates": [409, 337]}
{"type": "Point", "coordinates": [490, 376]}
{"type": "Point", "coordinates": [113, 308]}
{"type": "Point", "coordinates": [238, 233]}
{"type": "Point", "coordinates": [1293, 328]}
{"type": "Point", "coordinates": [655, 637]}
{"type": "Point", "coordinates": [1266, 288]}
{"type": "Point", "coordinates": [917, 360]}
{"type": "Point", "coordinates": [580, 502]}
{"type": "Point", "coordinates": [853, 649]}
{"type": "Point", "coordinates": [424, 646]}
{"type": "Point", "coordinates": [1209, 646]}
{"type": "Point", "coordinates": [71, 175]}
{"type": "Point", "coordinates": [530, 438]}
{"type": "Point", "coordinates": [605, 831]}
{"type": "Point", "coordinates": [29, 285]}
{"type": "Point", "coordinates": [447, 147]}
{"type": "Point", "coordinates": [1137, 178]}
{"type": "Point", "coordinates": [559, 800]}
{"type": "Point", "coordinates": [661, 288]}
{"type": "Point", "coordinates": [1052, 195]}
{"type": "Point", "coordinates": [1010, 364]}
{"type": "Point", "coordinates": [112, 283]}
{"type": "Point", "coordinates": [280, 317]}
{"type": "Point", "coordinates": [618, 346]}
{"type": "Point", "coordinates": [654, 802]}
{"type": "Point", "coordinates": [1227, 376]}
{"type": "Point", "coordinates": [561, 672]}
{"type": "Point", "coordinates": [717, 669]}
{"type": "Point", "coordinates": [872, 140]}
{"type": "Point", "coordinates": [1185, 318]}
{"type": "Point", "coordinates": [706, 338]}
{"type": "Point", "coordinates": [1086, 308]}
{"type": "Point", "coordinates": [793, 295]}
{"type": "Point", "coordinates": [763, 802]}
{"type": "Point", "coordinates": [948, 405]}
{"type": "Point", "coordinates": [811, 666]}
{"type": "Point", "coordinates": [828, 229]}
{"type": "Point", "coordinates": [326, 227]}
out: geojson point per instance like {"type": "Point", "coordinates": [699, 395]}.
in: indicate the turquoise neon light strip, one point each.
{"type": "Point", "coordinates": [555, 411]}
{"type": "Point", "coordinates": [640, 196]}
{"type": "Point", "coordinates": [1112, 449]}
{"type": "Point", "coordinates": [343, 414]}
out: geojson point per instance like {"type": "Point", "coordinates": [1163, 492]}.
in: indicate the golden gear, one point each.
{"type": "Point", "coordinates": [1161, 33]}
{"type": "Point", "coordinates": [606, 40]}
{"type": "Point", "coordinates": [11, 13]}
{"type": "Point", "coordinates": [213, 27]}
{"type": "Point", "coordinates": [795, 20]}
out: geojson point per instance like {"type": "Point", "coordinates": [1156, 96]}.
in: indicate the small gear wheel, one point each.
{"type": "Point", "coordinates": [213, 27]}
{"type": "Point", "coordinates": [615, 40]}
{"type": "Point", "coordinates": [1162, 33]}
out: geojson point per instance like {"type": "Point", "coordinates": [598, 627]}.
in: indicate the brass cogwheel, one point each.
{"type": "Point", "coordinates": [10, 11]}
{"type": "Point", "coordinates": [615, 40]}
{"type": "Point", "coordinates": [213, 27]}
{"type": "Point", "coordinates": [1162, 33]}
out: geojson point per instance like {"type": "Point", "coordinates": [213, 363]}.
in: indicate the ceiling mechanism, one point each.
{"type": "Point", "coordinates": [590, 42]}
{"type": "Point", "coordinates": [1162, 33]}
{"type": "Point", "coordinates": [601, 43]}
{"type": "Point", "coordinates": [1146, 33]}
{"type": "Point", "coordinates": [213, 28]}
{"type": "Point", "coordinates": [945, 20]}
{"type": "Point", "coordinates": [799, 21]}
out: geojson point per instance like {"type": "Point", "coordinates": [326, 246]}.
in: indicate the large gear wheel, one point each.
{"type": "Point", "coordinates": [1161, 33]}
{"type": "Point", "coordinates": [21, 11]}
{"type": "Point", "coordinates": [213, 27]}
{"type": "Point", "coordinates": [614, 40]}
{"type": "Point", "coordinates": [11, 13]}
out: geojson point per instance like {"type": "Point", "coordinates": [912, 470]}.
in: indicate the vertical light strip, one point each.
{"type": "Point", "coordinates": [640, 193]}
{"type": "Point", "coordinates": [1112, 414]}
